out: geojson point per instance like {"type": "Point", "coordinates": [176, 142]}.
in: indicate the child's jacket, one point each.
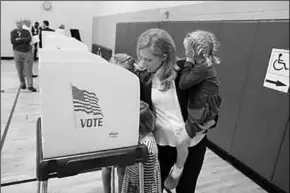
{"type": "Point", "coordinates": [204, 100]}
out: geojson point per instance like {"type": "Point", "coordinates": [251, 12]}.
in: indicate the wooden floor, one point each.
{"type": "Point", "coordinates": [18, 153]}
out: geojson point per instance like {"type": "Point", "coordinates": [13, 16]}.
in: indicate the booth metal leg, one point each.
{"type": "Point", "coordinates": [42, 186]}
{"type": "Point", "coordinates": [113, 179]}
{"type": "Point", "coordinates": [38, 186]}
{"type": "Point", "coordinates": [141, 177]}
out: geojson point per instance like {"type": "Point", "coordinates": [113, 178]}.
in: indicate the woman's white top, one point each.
{"type": "Point", "coordinates": [169, 122]}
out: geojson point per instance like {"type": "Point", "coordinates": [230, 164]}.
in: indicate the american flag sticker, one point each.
{"type": "Point", "coordinates": [88, 104]}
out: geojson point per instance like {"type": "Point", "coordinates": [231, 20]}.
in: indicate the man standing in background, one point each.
{"type": "Point", "coordinates": [27, 26]}
{"type": "Point", "coordinates": [45, 27]}
{"type": "Point", "coordinates": [35, 32]}
{"type": "Point", "coordinates": [22, 49]}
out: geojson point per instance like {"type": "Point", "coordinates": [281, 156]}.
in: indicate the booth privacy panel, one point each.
{"type": "Point", "coordinates": [85, 106]}
{"type": "Point", "coordinates": [69, 55]}
{"type": "Point", "coordinates": [59, 41]}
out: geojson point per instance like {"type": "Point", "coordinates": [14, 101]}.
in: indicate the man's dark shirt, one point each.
{"type": "Point", "coordinates": [23, 44]}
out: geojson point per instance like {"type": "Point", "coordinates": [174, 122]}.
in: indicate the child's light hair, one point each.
{"type": "Point", "coordinates": [205, 44]}
{"type": "Point", "coordinates": [160, 44]}
{"type": "Point", "coordinates": [123, 60]}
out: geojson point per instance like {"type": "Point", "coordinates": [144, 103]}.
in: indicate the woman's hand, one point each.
{"type": "Point", "coordinates": [189, 52]}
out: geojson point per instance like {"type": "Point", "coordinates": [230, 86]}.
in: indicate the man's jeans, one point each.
{"type": "Point", "coordinates": [24, 65]}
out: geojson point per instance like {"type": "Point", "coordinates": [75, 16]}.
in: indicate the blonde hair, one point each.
{"type": "Point", "coordinates": [205, 44]}
{"type": "Point", "coordinates": [123, 60]}
{"type": "Point", "coordinates": [160, 43]}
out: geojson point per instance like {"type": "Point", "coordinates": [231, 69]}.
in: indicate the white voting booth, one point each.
{"type": "Point", "coordinates": [44, 35]}
{"type": "Point", "coordinates": [53, 40]}
{"type": "Point", "coordinates": [87, 104]}
{"type": "Point", "coordinates": [111, 118]}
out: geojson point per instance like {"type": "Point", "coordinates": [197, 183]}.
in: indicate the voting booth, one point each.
{"type": "Point", "coordinates": [44, 36]}
{"type": "Point", "coordinates": [53, 40]}
{"type": "Point", "coordinates": [89, 114]}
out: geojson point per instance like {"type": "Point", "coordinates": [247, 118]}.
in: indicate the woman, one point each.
{"type": "Point", "coordinates": [159, 75]}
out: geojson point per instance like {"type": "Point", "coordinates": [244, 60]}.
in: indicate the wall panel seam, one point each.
{"type": "Point", "coordinates": [244, 87]}
{"type": "Point", "coordinates": [279, 152]}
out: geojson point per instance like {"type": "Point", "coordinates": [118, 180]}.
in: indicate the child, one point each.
{"type": "Point", "coordinates": [127, 62]}
{"type": "Point", "coordinates": [152, 176]}
{"type": "Point", "coordinates": [199, 77]}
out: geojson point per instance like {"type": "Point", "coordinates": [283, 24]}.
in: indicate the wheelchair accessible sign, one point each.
{"type": "Point", "coordinates": [277, 76]}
